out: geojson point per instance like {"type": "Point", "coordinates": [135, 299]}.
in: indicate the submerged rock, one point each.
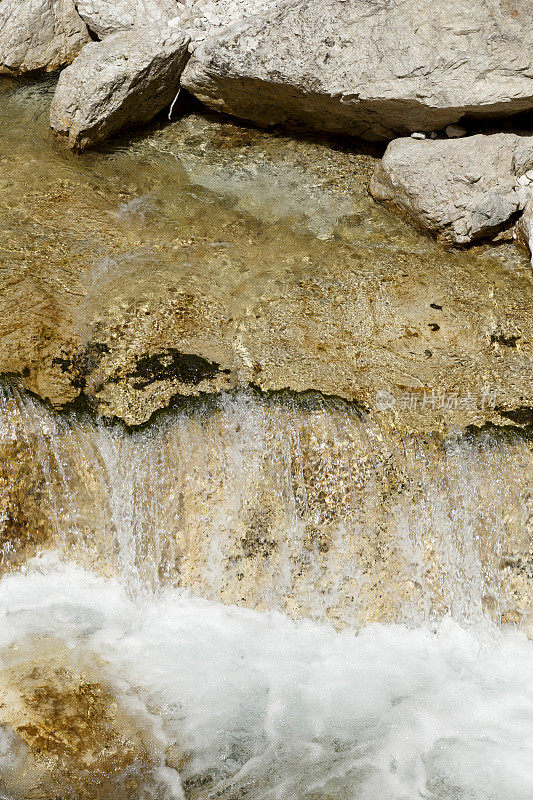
{"type": "Point", "coordinates": [370, 69]}
{"type": "Point", "coordinates": [65, 733]}
{"type": "Point", "coordinates": [111, 16]}
{"type": "Point", "coordinates": [314, 186]}
{"type": "Point", "coordinates": [126, 79]}
{"type": "Point", "coordinates": [461, 189]}
{"type": "Point", "coordinates": [39, 35]}
{"type": "Point", "coordinates": [131, 292]}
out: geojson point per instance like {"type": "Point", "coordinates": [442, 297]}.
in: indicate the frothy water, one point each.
{"type": "Point", "coordinates": [254, 705]}
{"type": "Point", "coordinates": [282, 504]}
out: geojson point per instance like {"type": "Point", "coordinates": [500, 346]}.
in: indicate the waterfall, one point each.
{"type": "Point", "coordinates": [296, 504]}
{"type": "Point", "coordinates": [369, 661]}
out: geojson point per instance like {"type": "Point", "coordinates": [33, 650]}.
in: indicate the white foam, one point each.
{"type": "Point", "coordinates": [266, 707]}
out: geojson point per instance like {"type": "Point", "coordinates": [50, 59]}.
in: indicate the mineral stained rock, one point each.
{"type": "Point", "coordinates": [39, 35]}
{"type": "Point", "coordinates": [111, 16]}
{"type": "Point", "coordinates": [370, 69]}
{"type": "Point", "coordinates": [130, 293]}
{"type": "Point", "coordinates": [126, 79]}
{"type": "Point", "coordinates": [460, 189]}
{"type": "Point", "coordinates": [68, 733]}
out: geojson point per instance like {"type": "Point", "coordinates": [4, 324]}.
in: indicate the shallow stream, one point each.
{"type": "Point", "coordinates": [254, 596]}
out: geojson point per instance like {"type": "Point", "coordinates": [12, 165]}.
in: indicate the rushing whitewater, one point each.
{"type": "Point", "coordinates": [252, 705]}
{"type": "Point", "coordinates": [404, 673]}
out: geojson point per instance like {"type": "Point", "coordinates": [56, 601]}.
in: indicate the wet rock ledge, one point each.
{"type": "Point", "coordinates": [424, 337]}
{"type": "Point", "coordinates": [324, 66]}
{"type": "Point", "coordinates": [130, 302]}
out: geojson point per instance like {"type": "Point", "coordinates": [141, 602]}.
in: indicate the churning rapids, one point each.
{"type": "Point", "coordinates": [286, 505]}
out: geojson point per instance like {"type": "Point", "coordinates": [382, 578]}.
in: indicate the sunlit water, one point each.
{"type": "Point", "coordinates": [298, 504]}
{"type": "Point", "coordinates": [262, 707]}
{"type": "Point", "coordinates": [303, 606]}
{"type": "Point", "coordinates": [251, 704]}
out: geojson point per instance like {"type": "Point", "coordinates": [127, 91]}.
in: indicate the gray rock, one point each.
{"type": "Point", "coordinates": [111, 16]}
{"type": "Point", "coordinates": [124, 80]}
{"type": "Point", "coordinates": [39, 35]}
{"type": "Point", "coordinates": [371, 68]}
{"type": "Point", "coordinates": [455, 131]}
{"type": "Point", "coordinates": [205, 18]}
{"type": "Point", "coordinates": [523, 157]}
{"type": "Point", "coordinates": [461, 189]}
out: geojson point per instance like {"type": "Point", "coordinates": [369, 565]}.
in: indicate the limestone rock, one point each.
{"type": "Point", "coordinates": [525, 226]}
{"type": "Point", "coordinates": [523, 159]}
{"type": "Point", "coordinates": [461, 189]}
{"type": "Point", "coordinates": [370, 69]}
{"type": "Point", "coordinates": [124, 80]}
{"type": "Point", "coordinates": [39, 35]}
{"type": "Point", "coordinates": [205, 18]}
{"type": "Point", "coordinates": [455, 131]}
{"type": "Point", "coordinates": [110, 16]}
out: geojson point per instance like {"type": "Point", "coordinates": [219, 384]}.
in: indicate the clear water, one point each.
{"type": "Point", "coordinates": [222, 571]}
{"type": "Point", "coordinates": [297, 504]}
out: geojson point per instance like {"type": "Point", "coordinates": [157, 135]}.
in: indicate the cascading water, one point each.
{"type": "Point", "coordinates": [397, 557]}
{"type": "Point", "coordinates": [295, 504]}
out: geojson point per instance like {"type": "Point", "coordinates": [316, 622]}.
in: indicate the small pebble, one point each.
{"type": "Point", "coordinates": [418, 135]}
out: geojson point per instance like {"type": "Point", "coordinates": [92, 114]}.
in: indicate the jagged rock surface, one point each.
{"type": "Point", "coordinates": [39, 35]}
{"type": "Point", "coordinates": [370, 69]}
{"type": "Point", "coordinates": [206, 18]}
{"type": "Point", "coordinates": [124, 80]}
{"type": "Point", "coordinates": [461, 189]}
{"type": "Point", "coordinates": [111, 16]}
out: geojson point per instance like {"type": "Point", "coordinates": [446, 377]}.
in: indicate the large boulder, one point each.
{"type": "Point", "coordinates": [111, 16]}
{"type": "Point", "coordinates": [371, 69]}
{"type": "Point", "coordinates": [124, 80]}
{"type": "Point", "coordinates": [460, 189]}
{"type": "Point", "coordinates": [39, 35]}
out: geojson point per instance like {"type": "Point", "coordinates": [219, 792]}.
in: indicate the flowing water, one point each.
{"type": "Point", "coordinates": [282, 504]}
{"type": "Point", "coordinates": [252, 597]}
